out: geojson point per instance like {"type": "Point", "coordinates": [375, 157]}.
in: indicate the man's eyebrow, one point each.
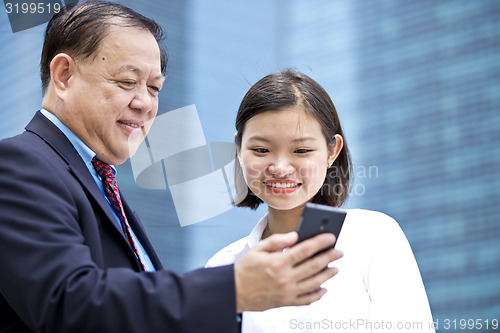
{"type": "Point", "coordinates": [138, 71]}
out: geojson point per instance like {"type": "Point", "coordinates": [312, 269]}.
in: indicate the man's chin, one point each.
{"type": "Point", "coordinates": [133, 145]}
{"type": "Point", "coordinates": [130, 153]}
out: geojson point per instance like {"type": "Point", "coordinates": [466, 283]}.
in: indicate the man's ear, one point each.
{"type": "Point", "coordinates": [62, 68]}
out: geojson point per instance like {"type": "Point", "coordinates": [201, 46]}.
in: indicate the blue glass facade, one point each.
{"type": "Point", "coordinates": [416, 85]}
{"type": "Point", "coordinates": [428, 76]}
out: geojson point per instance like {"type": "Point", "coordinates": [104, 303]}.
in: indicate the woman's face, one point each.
{"type": "Point", "coordinates": [284, 156]}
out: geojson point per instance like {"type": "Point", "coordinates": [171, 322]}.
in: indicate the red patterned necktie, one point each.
{"type": "Point", "coordinates": [111, 190]}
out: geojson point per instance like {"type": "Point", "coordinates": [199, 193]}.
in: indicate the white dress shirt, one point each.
{"type": "Point", "coordinates": [378, 287]}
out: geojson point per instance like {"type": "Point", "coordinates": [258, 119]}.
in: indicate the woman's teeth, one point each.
{"type": "Point", "coordinates": [282, 185]}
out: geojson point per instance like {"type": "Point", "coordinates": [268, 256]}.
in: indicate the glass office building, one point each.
{"type": "Point", "coordinates": [416, 85]}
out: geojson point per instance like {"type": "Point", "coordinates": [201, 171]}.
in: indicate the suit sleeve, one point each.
{"type": "Point", "coordinates": [51, 282]}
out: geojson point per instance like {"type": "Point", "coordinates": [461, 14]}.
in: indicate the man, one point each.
{"type": "Point", "coordinates": [75, 257]}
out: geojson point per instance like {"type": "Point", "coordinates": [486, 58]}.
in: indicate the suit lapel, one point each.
{"type": "Point", "coordinates": [136, 226]}
{"type": "Point", "coordinates": [48, 132]}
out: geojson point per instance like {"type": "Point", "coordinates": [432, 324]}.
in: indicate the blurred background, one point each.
{"type": "Point", "coordinates": [417, 88]}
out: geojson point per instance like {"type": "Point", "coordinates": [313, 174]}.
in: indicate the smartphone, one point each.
{"type": "Point", "coordinates": [317, 219]}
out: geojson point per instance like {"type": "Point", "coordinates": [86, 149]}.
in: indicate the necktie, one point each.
{"type": "Point", "coordinates": [111, 189]}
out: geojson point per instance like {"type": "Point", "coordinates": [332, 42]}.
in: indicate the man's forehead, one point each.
{"type": "Point", "coordinates": [128, 68]}
{"type": "Point", "coordinates": [120, 38]}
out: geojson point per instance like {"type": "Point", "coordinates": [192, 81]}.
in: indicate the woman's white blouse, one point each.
{"type": "Point", "coordinates": [378, 287]}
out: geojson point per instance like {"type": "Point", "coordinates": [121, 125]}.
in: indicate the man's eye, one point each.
{"type": "Point", "coordinates": [155, 89]}
{"type": "Point", "coordinates": [127, 83]}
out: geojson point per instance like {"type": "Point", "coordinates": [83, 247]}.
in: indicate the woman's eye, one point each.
{"type": "Point", "coordinates": [260, 150]}
{"type": "Point", "coordinates": [302, 151]}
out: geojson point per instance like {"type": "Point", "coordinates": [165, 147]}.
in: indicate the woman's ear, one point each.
{"type": "Point", "coordinates": [62, 68]}
{"type": "Point", "coordinates": [334, 149]}
{"type": "Point", "coordinates": [238, 150]}
{"type": "Point", "coordinates": [240, 185]}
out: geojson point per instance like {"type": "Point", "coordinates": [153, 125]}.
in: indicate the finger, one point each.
{"type": "Point", "coordinates": [316, 264]}
{"type": "Point", "coordinates": [277, 242]}
{"type": "Point", "coordinates": [309, 247]}
{"type": "Point", "coordinates": [306, 299]}
{"type": "Point", "coordinates": [314, 282]}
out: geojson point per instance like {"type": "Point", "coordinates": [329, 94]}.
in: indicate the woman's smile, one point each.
{"type": "Point", "coordinates": [282, 186]}
{"type": "Point", "coordinates": [284, 156]}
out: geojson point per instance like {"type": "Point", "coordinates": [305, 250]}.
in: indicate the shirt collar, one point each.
{"type": "Point", "coordinates": [83, 150]}
{"type": "Point", "coordinates": [256, 235]}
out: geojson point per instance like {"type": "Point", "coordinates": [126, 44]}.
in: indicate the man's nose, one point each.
{"type": "Point", "coordinates": [142, 101]}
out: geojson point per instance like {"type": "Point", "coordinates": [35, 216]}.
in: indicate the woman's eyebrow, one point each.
{"type": "Point", "coordinates": [263, 139]}
{"type": "Point", "coordinates": [305, 138]}
{"type": "Point", "coordinates": [258, 138]}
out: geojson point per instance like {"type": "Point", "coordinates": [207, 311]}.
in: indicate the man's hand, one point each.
{"type": "Point", "coordinates": [266, 277]}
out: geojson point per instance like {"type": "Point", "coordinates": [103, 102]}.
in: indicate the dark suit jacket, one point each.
{"type": "Point", "coordinates": [65, 265]}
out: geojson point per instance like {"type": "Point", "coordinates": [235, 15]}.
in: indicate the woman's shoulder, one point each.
{"type": "Point", "coordinates": [370, 218]}
{"type": "Point", "coordinates": [368, 225]}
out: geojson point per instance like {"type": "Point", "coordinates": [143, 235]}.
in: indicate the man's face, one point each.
{"type": "Point", "coordinates": [113, 97]}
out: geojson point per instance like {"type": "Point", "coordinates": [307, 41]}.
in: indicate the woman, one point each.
{"type": "Point", "coordinates": [291, 150]}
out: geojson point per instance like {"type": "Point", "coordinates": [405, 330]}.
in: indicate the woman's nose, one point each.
{"type": "Point", "coordinates": [281, 168]}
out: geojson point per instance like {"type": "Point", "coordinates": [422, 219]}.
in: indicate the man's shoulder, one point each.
{"type": "Point", "coordinates": [26, 159]}
{"type": "Point", "coordinates": [25, 146]}
{"type": "Point", "coordinates": [41, 143]}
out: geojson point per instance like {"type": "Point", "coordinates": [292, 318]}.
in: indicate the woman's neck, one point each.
{"type": "Point", "coordinates": [282, 221]}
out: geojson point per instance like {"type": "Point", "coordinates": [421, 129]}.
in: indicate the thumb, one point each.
{"type": "Point", "coordinates": [277, 242]}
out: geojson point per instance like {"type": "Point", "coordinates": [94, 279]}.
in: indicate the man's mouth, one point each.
{"type": "Point", "coordinates": [134, 125]}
